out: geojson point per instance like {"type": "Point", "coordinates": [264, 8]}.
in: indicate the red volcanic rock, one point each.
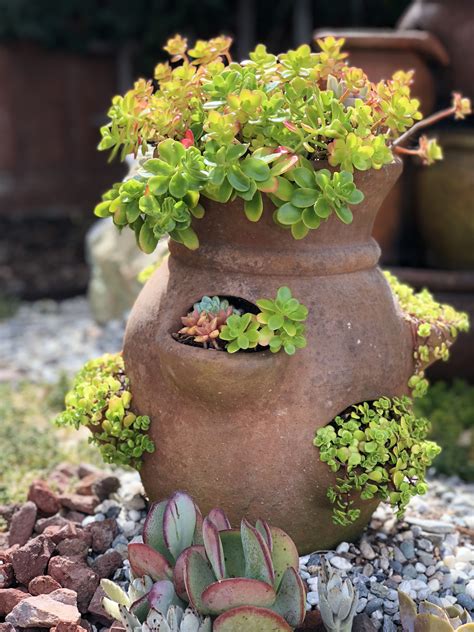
{"type": "Point", "coordinates": [6, 627]}
{"type": "Point", "coordinates": [77, 502]}
{"type": "Point", "coordinates": [53, 521]}
{"type": "Point", "coordinates": [106, 565]}
{"type": "Point", "coordinates": [98, 484]}
{"type": "Point", "coordinates": [74, 547]}
{"type": "Point", "coordinates": [75, 575]}
{"type": "Point", "coordinates": [45, 611]}
{"type": "Point", "coordinates": [31, 560]}
{"type": "Point", "coordinates": [9, 598]}
{"type": "Point", "coordinates": [97, 610]}
{"type": "Point", "coordinates": [103, 534]}
{"type": "Point", "coordinates": [42, 585]}
{"type": "Point", "coordinates": [64, 626]}
{"type": "Point", "coordinates": [22, 524]}
{"type": "Point", "coordinates": [44, 498]}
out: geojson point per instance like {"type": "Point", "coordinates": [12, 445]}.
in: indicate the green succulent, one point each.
{"type": "Point", "coordinates": [382, 451]}
{"type": "Point", "coordinates": [282, 322]}
{"type": "Point", "coordinates": [174, 620]}
{"type": "Point", "coordinates": [432, 618]}
{"type": "Point", "coordinates": [240, 332]}
{"type": "Point", "coordinates": [100, 399]}
{"type": "Point", "coordinates": [231, 575]}
{"type": "Point", "coordinates": [213, 305]}
{"type": "Point", "coordinates": [435, 327]}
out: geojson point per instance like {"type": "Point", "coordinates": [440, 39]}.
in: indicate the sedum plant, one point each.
{"type": "Point", "coordinates": [100, 399]}
{"type": "Point", "coordinates": [379, 450]}
{"type": "Point", "coordinates": [230, 575]}
{"type": "Point", "coordinates": [337, 599]}
{"type": "Point", "coordinates": [435, 327]}
{"type": "Point", "coordinates": [219, 130]}
{"type": "Point", "coordinates": [278, 325]}
{"type": "Point", "coordinates": [432, 618]}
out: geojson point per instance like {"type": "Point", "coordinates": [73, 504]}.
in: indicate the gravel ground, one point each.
{"type": "Point", "coordinates": [429, 554]}
{"type": "Point", "coordinates": [47, 338]}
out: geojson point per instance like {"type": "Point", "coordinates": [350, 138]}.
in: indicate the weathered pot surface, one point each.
{"type": "Point", "coordinates": [236, 431]}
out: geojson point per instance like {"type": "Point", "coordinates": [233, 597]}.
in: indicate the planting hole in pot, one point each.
{"type": "Point", "coordinates": [205, 319]}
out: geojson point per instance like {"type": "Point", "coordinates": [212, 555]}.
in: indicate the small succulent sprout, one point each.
{"type": "Point", "coordinates": [240, 332]}
{"type": "Point", "coordinates": [282, 320]}
{"type": "Point", "coordinates": [337, 599]}
{"type": "Point", "coordinates": [205, 326]}
{"type": "Point", "coordinates": [116, 596]}
{"type": "Point", "coordinates": [213, 305]}
{"type": "Point", "coordinates": [174, 620]}
{"type": "Point", "coordinates": [432, 618]}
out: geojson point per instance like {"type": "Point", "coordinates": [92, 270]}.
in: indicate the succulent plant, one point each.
{"type": "Point", "coordinates": [382, 449]}
{"type": "Point", "coordinates": [175, 620]}
{"type": "Point", "coordinates": [116, 596]}
{"type": "Point", "coordinates": [101, 399]}
{"type": "Point", "coordinates": [282, 322]}
{"type": "Point", "coordinates": [337, 599]}
{"type": "Point", "coordinates": [432, 618]}
{"type": "Point", "coordinates": [214, 306]}
{"type": "Point", "coordinates": [205, 327]}
{"type": "Point", "coordinates": [247, 574]}
{"type": "Point", "coordinates": [240, 332]}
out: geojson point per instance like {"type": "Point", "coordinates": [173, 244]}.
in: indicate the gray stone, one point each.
{"type": "Point", "coordinates": [431, 526]}
{"type": "Point", "coordinates": [340, 563]}
{"type": "Point", "coordinates": [373, 605]}
{"type": "Point", "coordinates": [408, 549]}
{"type": "Point", "coordinates": [465, 601]}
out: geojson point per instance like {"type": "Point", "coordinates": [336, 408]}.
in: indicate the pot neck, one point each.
{"type": "Point", "coordinates": [231, 243]}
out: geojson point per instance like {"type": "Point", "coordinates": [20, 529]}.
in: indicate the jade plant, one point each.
{"type": "Point", "coordinates": [278, 325]}
{"type": "Point", "coordinates": [230, 575]}
{"type": "Point", "coordinates": [210, 128]}
{"type": "Point", "coordinates": [100, 399]}
{"type": "Point", "coordinates": [435, 327]}
{"type": "Point", "coordinates": [378, 449]}
{"type": "Point", "coordinates": [337, 599]}
{"type": "Point", "coordinates": [432, 618]}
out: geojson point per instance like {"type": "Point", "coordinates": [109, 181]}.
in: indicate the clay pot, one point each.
{"type": "Point", "coordinates": [452, 21]}
{"type": "Point", "coordinates": [444, 204]}
{"type": "Point", "coordinates": [236, 431]}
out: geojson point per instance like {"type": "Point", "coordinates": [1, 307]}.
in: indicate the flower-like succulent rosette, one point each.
{"type": "Point", "coordinates": [229, 575]}
{"type": "Point", "coordinates": [225, 130]}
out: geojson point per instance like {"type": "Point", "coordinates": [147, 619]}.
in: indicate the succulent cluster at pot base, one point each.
{"type": "Point", "coordinates": [221, 130]}
{"type": "Point", "coordinates": [432, 618]}
{"type": "Point", "coordinates": [230, 576]}
{"type": "Point", "coordinates": [338, 599]}
{"type": "Point", "coordinates": [435, 327]}
{"type": "Point", "coordinates": [100, 399]}
{"type": "Point", "coordinates": [379, 450]}
{"type": "Point", "coordinates": [278, 325]}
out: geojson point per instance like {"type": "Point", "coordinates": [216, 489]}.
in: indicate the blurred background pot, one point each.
{"type": "Point", "coordinates": [452, 21]}
{"type": "Point", "coordinates": [445, 195]}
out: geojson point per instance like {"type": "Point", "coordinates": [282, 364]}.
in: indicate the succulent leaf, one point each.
{"type": "Point", "coordinates": [250, 619]}
{"type": "Point", "coordinates": [233, 552]}
{"type": "Point", "coordinates": [264, 529]}
{"type": "Point", "coordinates": [153, 530]}
{"type": "Point", "coordinates": [179, 523]}
{"type": "Point", "coordinates": [219, 518]}
{"type": "Point", "coordinates": [162, 596]}
{"type": "Point", "coordinates": [214, 549]}
{"type": "Point", "coordinates": [198, 576]}
{"type": "Point", "coordinates": [291, 598]}
{"type": "Point", "coordinates": [140, 608]}
{"type": "Point", "coordinates": [146, 561]}
{"type": "Point", "coordinates": [258, 561]}
{"type": "Point", "coordinates": [284, 554]}
{"type": "Point", "coordinates": [232, 593]}
{"type": "Point", "coordinates": [431, 623]}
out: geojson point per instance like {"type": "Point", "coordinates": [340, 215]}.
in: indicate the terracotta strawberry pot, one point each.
{"type": "Point", "coordinates": [237, 430]}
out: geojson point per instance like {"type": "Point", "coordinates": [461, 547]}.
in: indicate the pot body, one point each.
{"type": "Point", "coordinates": [452, 21]}
{"type": "Point", "coordinates": [448, 185]}
{"type": "Point", "coordinates": [236, 431]}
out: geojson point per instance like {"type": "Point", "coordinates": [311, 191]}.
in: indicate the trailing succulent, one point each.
{"type": "Point", "coordinates": [239, 579]}
{"type": "Point", "coordinates": [100, 399]}
{"type": "Point", "coordinates": [379, 450]}
{"type": "Point", "coordinates": [278, 325]}
{"type": "Point", "coordinates": [221, 130]}
{"type": "Point", "coordinates": [432, 618]}
{"type": "Point", "coordinates": [435, 327]}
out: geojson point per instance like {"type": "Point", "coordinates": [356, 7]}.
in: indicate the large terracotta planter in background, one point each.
{"type": "Point", "coordinates": [452, 21]}
{"type": "Point", "coordinates": [380, 53]}
{"type": "Point", "coordinates": [445, 194]}
{"type": "Point", "coordinates": [237, 430]}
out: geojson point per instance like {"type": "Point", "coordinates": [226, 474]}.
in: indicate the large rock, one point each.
{"type": "Point", "coordinates": [103, 534]}
{"type": "Point", "coordinates": [45, 611]}
{"type": "Point", "coordinates": [44, 498]}
{"type": "Point", "coordinates": [9, 598]}
{"type": "Point", "coordinates": [98, 484]}
{"type": "Point", "coordinates": [79, 502]}
{"type": "Point", "coordinates": [43, 585]}
{"type": "Point", "coordinates": [22, 524]}
{"type": "Point", "coordinates": [31, 560]}
{"type": "Point", "coordinates": [75, 575]}
{"type": "Point", "coordinates": [115, 262]}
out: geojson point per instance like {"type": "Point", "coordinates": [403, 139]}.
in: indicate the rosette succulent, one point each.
{"type": "Point", "coordinates": [432, 618]}
{"type": "Point", "coordinates": [270, 125]}
{"type": "Point", "coordinates": [230, 575]}
{"type": "Point", "coordinates": [282, 322]}
{"type": "Point", "coordinates": [337, 599]}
